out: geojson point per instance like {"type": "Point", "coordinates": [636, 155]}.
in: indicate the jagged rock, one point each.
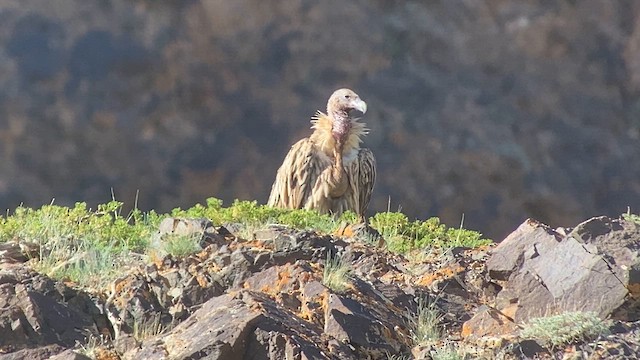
{"type": "Point", "coordinates": [263, 298]}
{"type": "Point", "coordinates": [351, 322]}
{"type": "Point", "coordinates": [239, 326]}
{"type": "Point", "coordinates": [507, 257]}
{"type": "Point", "coordinates": [163, 294]}
{"type": "Point", "coordinates": [37, 311]}
{"type": "Point", "coordinates": [488, 322]}
{"type": "Point", "coordinates": [40, 353]}
{"type": "Point", "coordinates": [71, 355]}
{"type": "Point", "coordinates": [18, 251]}
{"type": "Point", "coordinates": [591, 269]}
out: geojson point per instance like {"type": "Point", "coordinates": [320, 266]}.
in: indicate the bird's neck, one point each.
{"type": "Point", "coordinates": [341, 127]}
{"type": "Point", "coordinates": [323, 136]}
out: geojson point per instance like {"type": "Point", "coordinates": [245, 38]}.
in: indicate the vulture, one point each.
{"type": "Point", "coordinates": [329, 171]}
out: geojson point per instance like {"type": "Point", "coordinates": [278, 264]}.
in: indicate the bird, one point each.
{"type": "Point", "coordinates": [328, 171]}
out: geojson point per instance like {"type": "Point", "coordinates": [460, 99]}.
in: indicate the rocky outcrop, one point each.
{"type": "Point", "coordinates": [500, 110]}
{"type": "Point", "coordinates": [265, 297]}
{"type": "Point", "coordinates": [592, 268]}
{"type": "Point", "coordinates": [36, 311]}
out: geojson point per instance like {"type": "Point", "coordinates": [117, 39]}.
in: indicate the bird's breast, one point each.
{"type": "Point", "coordinates": [349, 156]}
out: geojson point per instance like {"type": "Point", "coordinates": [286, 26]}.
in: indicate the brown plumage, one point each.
{"type": "Point", "coordinates": [328, 171]}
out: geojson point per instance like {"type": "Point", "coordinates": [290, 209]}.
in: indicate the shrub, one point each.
{"type": "Point", "coordinates": [403, 235]}
{"type": "Point", "coordinates": [565, 328]}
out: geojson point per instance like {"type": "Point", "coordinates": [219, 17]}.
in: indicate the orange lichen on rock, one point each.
{"type": "Point", "coordinates": [440, 274]}
{"type": "Point", "coordinates": [101, 353]}
{"type": "Point", "coordinates": [489, 322]}
{"type": "Point", "coordinates": [345, 231]}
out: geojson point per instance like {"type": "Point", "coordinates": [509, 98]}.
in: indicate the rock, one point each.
{"type": "Point", "coordinates": [239, 326]}
{"type": "Point", "coordinates": [351, 322]}
{"type": "Point", "coordinates": [507, 257]}
{"type": "Point", "coordinates": [488, 322]}
{"type": "Point", "coordinates": [40, 353]}
{"type": "Point", "coordinates": [37, 311]}
{"type": "Point", "coordinates": [18, 251]}
{"type": "Point", "coordinates": [527, 349]}
{"type": "Point", "coordinates": [72, 355]}
{"type": "Point", "coordinates": [590, 269]}
{"type": "Point", "coordinates": [263, 298]}
{"type": "Point", "coordinates": [201, 230]}
{"type": "Point", "coordinates": [280, 279]}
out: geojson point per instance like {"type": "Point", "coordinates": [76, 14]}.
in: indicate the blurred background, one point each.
{"type": "Point", "coordinates": [498, 110]}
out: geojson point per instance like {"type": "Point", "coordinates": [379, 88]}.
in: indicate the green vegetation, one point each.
{"type": "Point", "coordinates": [252, 214]}
{"type": "Point", "coordinates": [424, 324]}
{"type": "Point", "coordinates": [631, 217]}
{"type": "Point", "coordinates": [565, 328]}
{"type": "Point", "coordinates": [79, 244]}
{"type": "Point", "coordinates": [181, 245]}
{"type": "Point", "coordinates": [90, 247]}
{"type": "Point", "coordinates": [403, 235]}
{"type": "Point", "coordinates": [397, 356]}
{"type": "Point", "coordinates": [336, 273]}
{"type": "Point", "coordinates": [446, 352]}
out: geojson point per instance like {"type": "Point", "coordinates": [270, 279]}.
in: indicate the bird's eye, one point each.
{"type": "Point", "coordinates": [347, 97]}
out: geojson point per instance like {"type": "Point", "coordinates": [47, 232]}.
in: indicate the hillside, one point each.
{"type": "Point", "coordinates": [252, 282]}
{"type": "Point", "coordinates": [497, 110]}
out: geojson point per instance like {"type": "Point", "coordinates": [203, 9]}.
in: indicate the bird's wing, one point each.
{"type": "Point", "coordinates": [366, 179]}
{"type": "Point", "coordinates": [296, 177]}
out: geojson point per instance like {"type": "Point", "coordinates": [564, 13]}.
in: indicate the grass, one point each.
{"type": "Point", "coordinates": [146, 329]}
{"type": "Point", "coordinates": [403, 235]}
{"type": "Point", "coordinates": [390, 356]}
{"type": "Point", "coordinates": [177, 245]}
{"type": "Point", "coordinates": [424, 324]}
{"type": "Point", "coordinates": [90, 348]}
{"type": "Point", "coordinates": [79, 244]}
{"type": "Point", "coordinates": [90, 247]}
{"type": "Point", "coordinates": [446, 352]}
{"type": "Point", "coordinates": [563, 329]}
{"type": "Point", "coordinates": [336, 273]}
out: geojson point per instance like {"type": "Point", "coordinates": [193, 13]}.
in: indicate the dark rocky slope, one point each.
{"type": "Point", "coordinates": [499, 110]}
{"type": "Point", "coordinates": [264, 298]}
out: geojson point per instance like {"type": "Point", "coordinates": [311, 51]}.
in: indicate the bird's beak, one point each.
{"type": "Point", "coordinates": [360, 105]}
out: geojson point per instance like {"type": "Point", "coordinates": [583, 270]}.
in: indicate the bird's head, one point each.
{"type": "Point", "coordinates": [345, 100]}
{"type": "Point", "coordinates": [339, 107]}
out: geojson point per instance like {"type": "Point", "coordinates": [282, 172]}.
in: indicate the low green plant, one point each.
{"type": "Point", "coordinates": [77, 243]}
{"type": "Point", "coordinates": [181, 245]}
{"type": "Point", "coordinates": [631, 217]}
{"type": "Point", "coordinates": [336, 273]}
{"type": "Point", "coordinates": [79, 223]}
{"type": "Point", "coordinates": [253, 214]}
{"type": "Point", "coordinates": [446, 352]}
{"type": "Point", "coordinates": [424, 324]}
{"type": "Point", "coordinates": [403, 235]}
{"type": "Point", "coordinates": [91, 246]}
{"type": "Point", "coordinates": [565, 328]}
